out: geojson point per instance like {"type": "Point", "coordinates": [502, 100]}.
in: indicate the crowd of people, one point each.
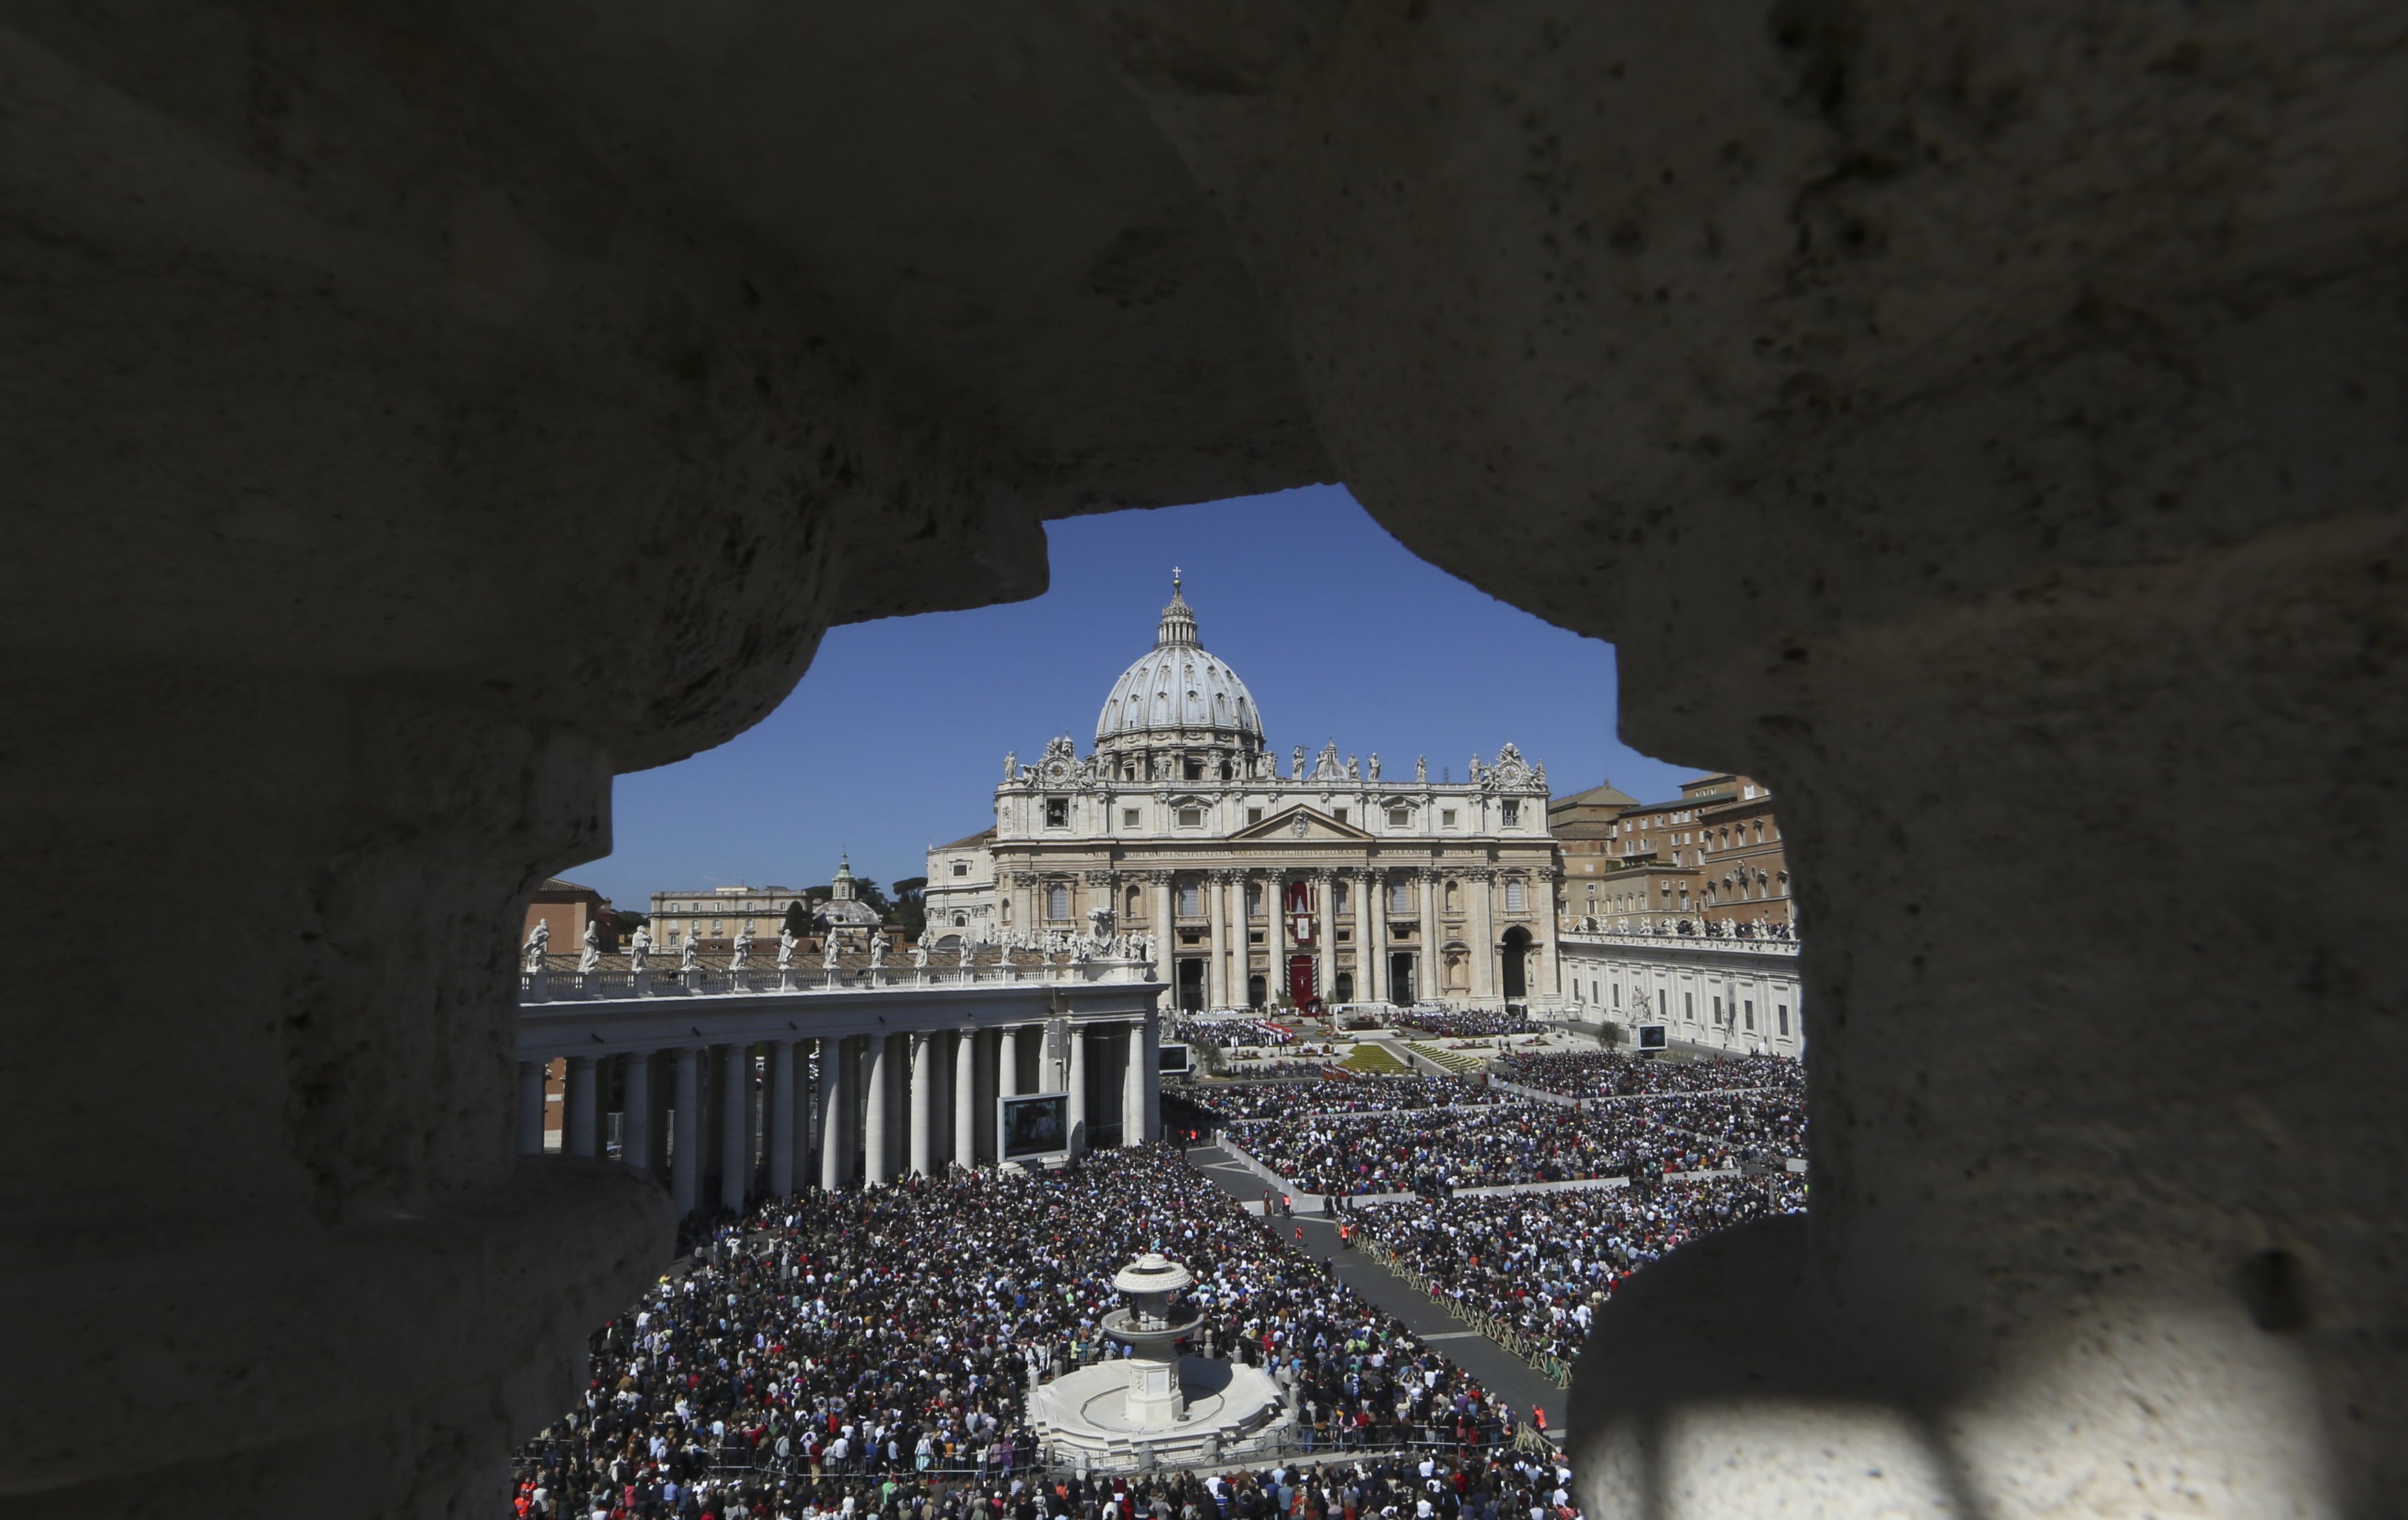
{"type": "Point", "coordinates": [1346, 1093]}
{"type": "Point", "coordinates": [1544, 1262]}
{"type": "Point", "coordinates": [1229, 1031]}
{"type": "Point", "coordinates": [1469, 1145]}
{"type": "Point", "coordinates": [1463, 1022]}
{"type": "Point", "coordinates": [1589, 1074]}
{"type": "Point", "coordinates": [869, 1354]}
{"type": "Point", "coordinates": [1765, 1126]}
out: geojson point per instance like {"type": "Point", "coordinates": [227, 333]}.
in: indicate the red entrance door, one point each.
{"type": "Point", "coordinates": [1299, 981]}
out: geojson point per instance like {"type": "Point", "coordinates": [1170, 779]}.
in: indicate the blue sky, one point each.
{"type": "Point", "coordinates": [896, 738]}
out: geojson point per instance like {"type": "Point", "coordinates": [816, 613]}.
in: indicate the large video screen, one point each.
{"type": "Point", "coordinates": [1036, 1124]}
{"type": "Point", "coordinates": [1174, 1060]}
{"type": "Point", "coordinates": [1650, 1037]}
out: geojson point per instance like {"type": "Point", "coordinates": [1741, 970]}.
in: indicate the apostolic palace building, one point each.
{"type": "Point", "coordinates": [1331, 881]}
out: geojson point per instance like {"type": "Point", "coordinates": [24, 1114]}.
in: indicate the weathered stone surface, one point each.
{"type": "Point", "coordinates": [1984, 423]}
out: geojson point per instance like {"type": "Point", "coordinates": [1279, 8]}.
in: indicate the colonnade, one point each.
{"type": "Point", "coordinates": [767, 1117]}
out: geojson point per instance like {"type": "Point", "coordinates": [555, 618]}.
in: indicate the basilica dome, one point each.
{"type": "Point", "coordinates": [1179, 687]}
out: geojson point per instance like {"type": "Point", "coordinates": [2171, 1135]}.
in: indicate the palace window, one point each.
{"type": "Point", "coordinates": [1057, 812]}
{"type": "Point", "coordinates": [1512, 807]}
{"type": "Point", "coordinates": [960, 867]}
{"type": "Point", "coordinates": [1747, 1011]}
{"type": "Point", "coordinates": [1057, 900]}
{"type": "Point", "coordinates": [1191, 818]}
{"type": "Point", "coordinates": [1400, 817]}
{"type": "Point", "coordinates": [1781, 1012]}
{"type": "Point", "coordinates": [1515, 899]}
{"type": "Point", "coordinates": [718, 926]}
{"type": "Point", "coordinates": [1688, 1008]}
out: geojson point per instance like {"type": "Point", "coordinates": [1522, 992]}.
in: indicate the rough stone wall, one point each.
{"type": "Point", "coordinates": [1986, 425]}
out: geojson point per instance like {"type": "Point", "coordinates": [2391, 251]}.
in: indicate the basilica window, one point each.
{"type": "Point", "coordinates": [1511, 809]}
{"type": "Point", "coordinates": [1128, 818]}
{"type": "Point", "coordinates": [1057, 900]}
{"type": "Point", "coordinates": [1254, 900]}
{"type": "Point", "coordinates": [961, 921]}
{"type": "Point", "coordinates": [1191, 900]}
{"type": "Point", "coordinates": [1400, 897]}
{"type": "Point", "coordinates": [1338, 898]}
{"type": "Point", "coordinates": [1446, 817]}
{"type": "Point", "coordinates": [1400, 817]}
{"type": "Point", "coordinates": [1516, 900]}
{"type": "Point", "coordinates": [1254, 815]}
{"type": "Point", "coordinates": [1193, 770]}
{"type": "Point", "coordinates": [1191, 818]}
{"type": "Point", "coordinates": [960, 867]}
{"type": "Point", "coordinates": [1057, 812]}
{"type": "Point", "coordinates": [1338, 813]}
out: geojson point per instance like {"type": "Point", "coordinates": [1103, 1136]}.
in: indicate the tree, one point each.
{"type": "Point", "coordinates": [910, 907]}
{"type": "Point", "coordinates": [798, 920]}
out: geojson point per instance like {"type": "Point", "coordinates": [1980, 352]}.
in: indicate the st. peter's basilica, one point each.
{"type": "Point", "coordinates": [1331, 882]}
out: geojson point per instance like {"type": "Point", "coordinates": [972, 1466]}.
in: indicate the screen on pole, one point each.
{"type": "Point", "coordinates": [1650, 1037]}
{"type": "Point", "coordinates": [1036, 1124]}
{"type": "Point", "coordinates": [1174, 1060]}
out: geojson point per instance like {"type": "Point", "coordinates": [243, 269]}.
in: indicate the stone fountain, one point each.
{"type": "Point", "coordinates": [1154, 1406]}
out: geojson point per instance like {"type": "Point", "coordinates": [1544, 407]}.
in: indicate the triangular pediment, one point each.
{"type": "Point", "coordinates": [1315, 825]}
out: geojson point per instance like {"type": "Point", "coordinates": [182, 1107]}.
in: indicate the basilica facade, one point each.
{"type": "Point", "coordinates": [1262, 888]}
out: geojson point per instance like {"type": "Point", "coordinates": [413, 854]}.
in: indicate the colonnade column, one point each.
{"type": "Point", "coordinates": [965, 1099]}
{"type": "Point", "coordinates": [1327, 882]}
{"type": "Point", "coordinates": [685, 1154]}
{"type": "Point", "coordinates": [734, 1105]}
{"type": "Point", "coordinates": [580, 1123]}
{"type": "Point", "coordinates": [1133, 1088]}
{"type": "Point", "coordinates": [876, 1168]}
{"type": "Point", "coordinates": [1150, 1096]}
{"type": "Point", "coordinates": [1553, 880]}
{"type": "Point", "coordinates": [531, 1077]}
{"type": "Point", "coordinates": [922, 1077]}
{"type": "Point", "coordinates": [636, 1147]}
{"type": "Point", "coordinates": [836, 1113]}
{"type": "Point", "coordinates": [1425, 977]}
{"type": "Point", "coordinates": [1077, 1083]}
{"type": "Point", "coordinates": [1369, 973]}
{"type": "Point", "coordinates": [1480, 881]}
{"type": "Point", "coordinates": [1007, 1064]}
{"type": "Point", "coordinates": [781, 1118]}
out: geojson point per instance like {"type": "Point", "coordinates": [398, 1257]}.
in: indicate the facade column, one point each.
{"type": "Point", "coordinates": [1216, 977]}
{"type": "Point", "coordinates": [580, 1123]}
{"type": "Point", "coordinates": [637, 1149]}
{"type": "Point", "coordinates": [877, 1163]}
{"type": "Point", "coordinates": [685, 1149]}
{"type": "Point", "coordinates": [965, 1099]}
{"type": "Point", "coordinates": [1166, 931]}
{"type": "Point", "coordinates": [1133, 1087]}
{"type": "Point", "coordinates": [1326, 883]}
{"type": "Point", "coordinates": [1077, 1083]}
{"type": "Point", "coordinates": [735, 1114]}
{"type": "Point", "coordinates": [922, 1077]}
{"type": "Point", "coordinates": [1368, 947]}
{"type": "Point", "coordinates": [1479, 883]}
{"type": "Point", "coordinates": [836, 1112]}
{"type": "Point", "coordinates": [1274, 941]}
{"type": "Point", "coordinates": [531, 1107]}
{"type": "Point", "coordinates": [781, 1118]}
{"type": "Point", "coordinates": [1426, 969]}
{"type": "Point", "coordinates": [1150, 1095]}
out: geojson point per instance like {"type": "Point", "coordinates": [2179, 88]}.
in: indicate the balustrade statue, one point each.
{"type": "Point", "coordinates": [589, 958]}
{"type": "Point", "coordinates": [640, 947]}
{"type": "Point", "coordinates": [539, 946]}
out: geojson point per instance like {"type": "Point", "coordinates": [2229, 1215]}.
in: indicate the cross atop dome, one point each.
{"type": "Point", "coordinates": [1178, 619]}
